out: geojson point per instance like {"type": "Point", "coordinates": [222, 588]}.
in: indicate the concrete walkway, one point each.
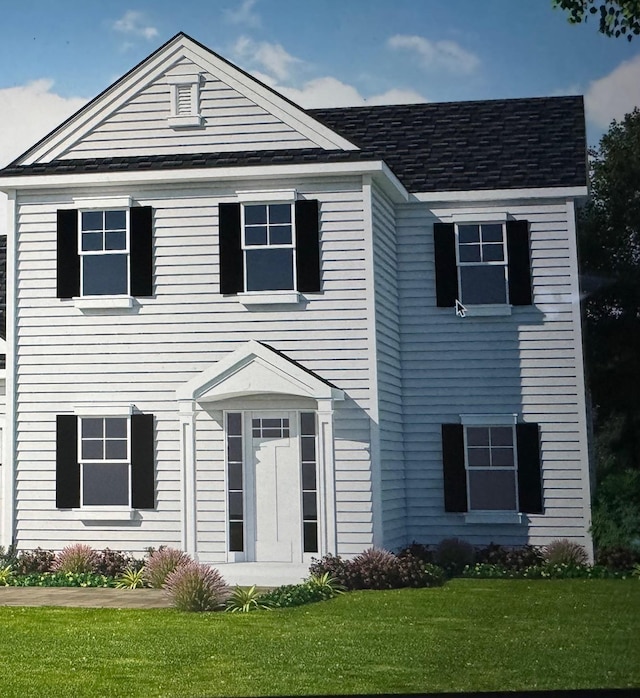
{"type": "Point", "coordinates": [83, 597]}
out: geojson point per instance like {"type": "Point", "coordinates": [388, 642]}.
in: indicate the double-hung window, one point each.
{"type": "Point", "coordinates": [105, 461]}
{"type": "Point", "coordinates": [491, 463]}
{"type": "Point", "coordinates": [269, 247]}
{"type": "Point", "coordinates": [491, 468]}
{"type": "Point", "coordinates": [105, 458]}
{"type": "Point", "coordinates": [104, 252]}
{"type": "Point", "coordinates": [268, 244]}
{"type": "Point", "coordinates": [482, 263]}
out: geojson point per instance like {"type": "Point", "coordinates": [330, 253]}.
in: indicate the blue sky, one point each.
{"type": "Point", "coordinates": [54, 56]}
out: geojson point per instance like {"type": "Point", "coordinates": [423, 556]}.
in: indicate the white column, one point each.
{"type": "Point", "coordinates": [326, 478]}
{"type": "Point", "coordinates": [8, 469]}
{"type": "Point", "coordinates": [188, 411]}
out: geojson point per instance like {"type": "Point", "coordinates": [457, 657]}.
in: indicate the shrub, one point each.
{"type": "Point", "coordinates": [413, 572]}
{"type": "Point", "coordinates": [113, 563]}
{"type": "Point", "coordinates": [488, 570]}
{"type": "Point", "coordinates": [333, 565]}
{"type": "Point", "coordinates": [565, 552]}
{"type": "Point", "coordinates": [161, 563]}
{"type": "Point", "coordinates": [245, 599]}
{"type": "Point", "coordinates": [618, 557]}
{"type": "Point", "coordinates": [326, 583]}
{"type": "Point", "coordinates": [378, 569]}
{"type": "Point", "coordinates": [8, 556]}
{"type": "Point", "coordinates": [513, 558]}
{"type": "Point", "coordinates": [62, 579]}
{"type": "Point", "coordinates": [34, 561]}
{"type": "Point", "coordinates": [433, 576]}
{"type": "Point", "coordinates": [453, 554]}
{"type": "Point", "coordinates": [375, 568]}
{"type": "Point", "coordinates": [76, 558]}
{"type": "Point", "coordinates": [130, 578]}
{"type": "Point", "coordinates": [6, 575]}
{"type": "Point", "coordinates": [195, 587]}
{"type": "Point", "coordinates": [420, 550]}
{"type": "Point", "coordinates": [289, 595]}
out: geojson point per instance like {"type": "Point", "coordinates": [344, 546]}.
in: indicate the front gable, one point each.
{"type": "Point", "coordinates": [184, 97]}
{"type": "Point", "coordinates": [256, 369]}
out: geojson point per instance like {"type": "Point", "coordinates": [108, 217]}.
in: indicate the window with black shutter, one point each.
{"type": "Point", "coordinates": [105, 461]}
{"type": "Point", "coordinates": [104, 252]}
{"type": "Point", "coordinates": [482, 263]}
{"type": "Point", "coordinates": [269, 247]}
{"type": "Point", "coordinates": [492, 467]}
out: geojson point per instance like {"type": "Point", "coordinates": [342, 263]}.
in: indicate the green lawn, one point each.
{"type": "Point", "coordinates": [470, 635]}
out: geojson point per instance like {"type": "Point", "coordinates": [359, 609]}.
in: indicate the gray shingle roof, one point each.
{"type": "Point", "coordinates": [460, 146]}
{"type": "Point", "coordinates": [454, 146]}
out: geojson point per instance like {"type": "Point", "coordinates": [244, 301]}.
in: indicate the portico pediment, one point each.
{"type": "Point", "coordinates": [256, 369]}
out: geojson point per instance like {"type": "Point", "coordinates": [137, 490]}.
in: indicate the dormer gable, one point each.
{"type": "Point", "coordinates": [184, 98]}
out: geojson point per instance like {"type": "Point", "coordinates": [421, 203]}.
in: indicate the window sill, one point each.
{"type": "Point", "coordinates": [189, 121]}
{"type": "Point", "coordinates": [269, 298]}
{"type": "Point", "coordinates": [104, 514]}
{"type": "Point", "coordinates": [488, 310]}
{"type": "Point", "coordinates": [103, 302]}
{"type": "Point", "coordinates": [493, 517]}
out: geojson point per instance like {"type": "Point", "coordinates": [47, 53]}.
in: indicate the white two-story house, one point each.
{"type": "Point", "coordinates": [261, 333]}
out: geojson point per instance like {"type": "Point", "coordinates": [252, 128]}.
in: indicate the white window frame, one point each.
{"type": "Point", "coordinates": [487, 422]}
{"type": "Point", "coordinates": [504, 263]}
{"type": "Point", "coordinates": [82, 461]}
{"type": "Point", "coordinates": [284, 293]}
{"type": "Point", "coordinates": [93, 253]}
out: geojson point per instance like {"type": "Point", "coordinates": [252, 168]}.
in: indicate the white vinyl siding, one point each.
{"type": "Point", "coordinates": [526, 363]}
{"type": "Point", "coordinates": [389, 372]}
{"type": "Point", "coordinates": [141, 356]}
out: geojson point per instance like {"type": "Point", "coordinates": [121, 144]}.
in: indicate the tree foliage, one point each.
{"type": "Point", "coordinates": [616, 17]}
{"type": "Point", "coordinates": [609, 237]}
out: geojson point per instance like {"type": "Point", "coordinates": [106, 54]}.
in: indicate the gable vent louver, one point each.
{"type": "Point", "coordinates": [185, 101]}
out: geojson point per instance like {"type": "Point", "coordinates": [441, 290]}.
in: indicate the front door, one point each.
{"type": "Point", "coordinates": [274, 461]}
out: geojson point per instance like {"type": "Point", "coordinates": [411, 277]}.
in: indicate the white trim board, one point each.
{"type": "Point", "coordinates": [389, 183]}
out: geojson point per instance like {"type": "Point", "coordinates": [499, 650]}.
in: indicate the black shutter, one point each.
{"type": "Point", "coordinates": [455, 476]}
{"type": "Point", "coordinates": [68, 259]}
{"type": "Point", "coordinates": [141, 221]}
{"type": "Point", "coordinates": [230, 248]}
{"type": "Point", "coordinates": [67, 466]}
{"type": "Point", "coordinates": [519, 263]}
{"type": "Point", "coordinates": [142, 462]}
{"type": "Point", "coordinates": [308, 246]}
{"type": "Point", "coordinates": [444, 239]}
{"type": "Point", "coordinates": [529, 471]}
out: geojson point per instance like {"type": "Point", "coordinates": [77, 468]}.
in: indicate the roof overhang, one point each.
{"type": "Point", "coordinates": [256, 369]}
{"type": "Point", "coordinates": [491, 195]}
{"type": "Point", "coordinates": [377, 169]}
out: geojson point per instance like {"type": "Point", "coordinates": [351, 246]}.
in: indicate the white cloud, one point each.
{"type": "Point", "coordinates": [436, 55]}
{"type": "Point", "coordinates": [29, 112]}
{"type": "Point", "coordinates": [271, 64]}
{"type": "Point", "coordinates": [244, 14]}
{"type": "Point", "coordinates": [133, 23]}
{"type": "Point", "coordinates": [328, 91]}
{"type": "Point", "coordinates": [614, 95]}
{"type": "Point", "coordinates": [270, 57]}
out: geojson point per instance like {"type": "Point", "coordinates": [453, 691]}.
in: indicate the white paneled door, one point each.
{"type": "Point", "coordinates": [274, 486]}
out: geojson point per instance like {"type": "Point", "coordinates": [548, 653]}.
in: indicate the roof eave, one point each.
{"type": "Point", "coordinates": [378, 169]}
